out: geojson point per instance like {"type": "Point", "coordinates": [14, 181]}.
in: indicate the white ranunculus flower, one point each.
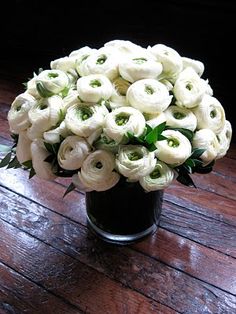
{"type": "Point", "coordinates": [97, 171]}
{"type": "Point", "coordinates": [45, 114]}
{"type": "Point", "coordinates": [122, 120]}
{"type": "Point", "coordinates": [137, 67]}
{"type": "Point", "coordinates": [178, 117]}
{"type": "Point", "coordinates": [197, 65]}
{"type": "Point", "coordinates": [189, 89]}
{"type": "Point", "coordinates": [94, 87]}
{"type": "Point", "coordinates": [206, 138]}
{"type": "Point", "coordinates": [83, 119]}
{"type": "Point", "coordinates": [54, 136]}
{"type": "Point", "coordinates": [72, 152]}
{"type": "Point", "coordinates": [155, 119]}
{"type": "Point", "coordinates": [135, 161]}
{"type": "Point", "coordinates": [31, 87]}
{"type": "Point", "coordinates": [104, 61]}
{"type": "Point", "coordinates": [175, 149]}
{"type": "Point", "coordinates": [81, 53]}
{"type": "Point", "coordinates": [149, 95]}
{"type": "Point", "coordinates": [126, 47]}
{"type": "Point", "coordinates": [39, 153]}
{"type": "Point", "coordinates": [210, 114]}
{"type": "Point", "coordinates": [66, 64]}
{"type": "Point", "coordinates": [23, 151]}
{"type": "Point", "coordinates": [50, 82]}
{"type": "Point", "coordinates": [18, 114]}
{"type": "Point", "coordinates": [170, 59]}
{"type": "Point", "coordinates": [159, 179]}
{"type": "Point", "coordinates": [224, 139]}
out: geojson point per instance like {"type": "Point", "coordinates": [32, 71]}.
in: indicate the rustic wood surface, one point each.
{"type": "Point", "coordinates": [51, 263]}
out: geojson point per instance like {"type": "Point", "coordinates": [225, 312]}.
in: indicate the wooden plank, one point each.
{"type": "Point", "coordinates": [208, 265]}
{"type": "Point", "coordinates": [20, 295]}
{"type": "Point", "coordinates": [201, 229]}
{"type": "Point", "coordinates": [74, 281]}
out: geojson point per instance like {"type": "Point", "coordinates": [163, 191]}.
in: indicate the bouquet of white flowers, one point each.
{"type": "Point", "coordinates": [143, 114]}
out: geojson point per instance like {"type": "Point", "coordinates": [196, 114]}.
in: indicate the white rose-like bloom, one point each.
{"type": "Point", "coordinates": [180, 118]}
{"type": "Point", "coordinates": [97, 171]}
{"type": "Point", "coordinates": [224, 139]}
{"type": "Point", "coordinates": [170, 59]}
{"type": "Point", "coordinates": [83, 119]}
{"type": "Point", "coordinates": [149, 95]}
{"type": "Point", "coordinates": [18, 114]}
{"type": "Point", "coordinates": [175, 149]}
{"type": "Point", "coordinates": [126, 47]}
{"type": "Point", "coordinates": [206, 138]}
{"type": "Point", "coordinates": [155, 119]}
{"type": "Point", "coordinates": [50, 82]}
{"type": "Point", "coordinates": [210, 114]}
{"type": "Point", "coordinates": [135, 161]}
{"type": "Point", "coordinates": [23, 151]}
{"type": "Point", "coordinates": [137, 67]}
{"type": "Point", "coordinates": [189, 88]}
{"type": "Point", "coordinates": [45, 114]}
{"type": "Point", "coordinates": [104, 61]}
{"type": "Point", "coordinates": [160, 178]}
{"type": "Point", "coordinates": [122, 120]}
{"type": "Point", "coordinates": [94, 87]}
{"type": "Point", "coordinates": [197, 65]}
{"type": "Point", "coordinates": [39, 153]}
{"type": "Point", "coordinates": [72, 152]}
{"type": "Point", "coordinates": [54, 136]}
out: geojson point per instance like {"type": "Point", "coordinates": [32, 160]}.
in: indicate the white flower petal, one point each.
{"type": "Point", "coordinates": [196, 65]}
{"type": "Point", "coordinates": [94, 87]}
{"type": "Point", "coordinates": [224, 139]}
{"type": "Point", "coordinates": [149, 95]}
{"type": "Point", "coordinates": [23, 151]}
{"type": "Point", "coordinates": [159, 179]}
{"type": "Point", "coordinates": [122, 120]}
{"type": "Point", "coordinates": [52, 81]}
{"type": "Point", "coordinates": [175, 150]}
{"type": "Point", "coordinates": [180, 118]}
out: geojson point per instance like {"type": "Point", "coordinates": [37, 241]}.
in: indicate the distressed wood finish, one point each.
{"type": "Point", "coordinates": [51, 263]}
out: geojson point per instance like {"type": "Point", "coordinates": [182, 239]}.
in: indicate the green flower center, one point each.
{"type": "Point", "coordinates": [149, 90]}
{"type": "Point", "coordinates": [155, 174]}
{"type": "Point", "coordinates": [173, 142]}
{"type": "Point", "coordinates": [101, 59]}
{"type": "Point", "coordinates": [213, 113]}
{"type": "Point", "coordinates": [95, 83]}
{"type": "Point", "coordinates": [122, 119]}
{"type": "Point", "coordinates": [135, 156]}
{"type": "Point", "coordinates": [52, 75]}
{"type": "Point", "coordinates": [139, 60]}
{"type": "Point", "coordinates": [189, 86]}
{"type": "Point", "coordinates": [84, 113]}
{"type": "Point", "coordinates": [179, 115]}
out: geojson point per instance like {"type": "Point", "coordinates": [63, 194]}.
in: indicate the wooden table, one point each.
{"type": "Point", "coordinates": [51, 263]}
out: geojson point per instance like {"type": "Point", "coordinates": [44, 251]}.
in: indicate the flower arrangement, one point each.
{"type": "Point", "coordinates": [143, 114]}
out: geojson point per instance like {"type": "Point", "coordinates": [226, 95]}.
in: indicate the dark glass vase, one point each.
{"type": "Point", "coordinates": [125, 213]}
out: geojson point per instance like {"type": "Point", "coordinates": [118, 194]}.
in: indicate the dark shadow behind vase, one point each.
{"type": "Point", "coordinates": [124, 213]}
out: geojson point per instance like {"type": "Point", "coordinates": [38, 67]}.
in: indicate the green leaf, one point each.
{"type": "Point", "coordinates": [49, 147]}
{"type": "Point", "coordinates": [14, 163]}
{"type": "Point", "coordinates": [4, 148]}
{"type": "Point", "coordinates": [206, 169]}
{"type": "Point", "coordinates": [70, 188]}
{"type": "Point", "coordinates": [27, 164]}
{"type": "Point", "coordinates": [32, 173]}
{"type": "Point", "coordinates": [197, 152]}
{"type": "Point", "coordinates": [154, 135]}
{"type": "Point", "coordinates": [43, 92]}
{"type": "Point", "coordinates": [151, 147]}
{"type": "Point", "coordinates": [184, 178]}
{"type": "Point", "coordinates": [190, 162]}
{"type": "Point", "coordinates": [5, 161]}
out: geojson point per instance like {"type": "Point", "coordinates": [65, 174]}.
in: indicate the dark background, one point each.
{"type": "Point", "coordinates": [35, 32]}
